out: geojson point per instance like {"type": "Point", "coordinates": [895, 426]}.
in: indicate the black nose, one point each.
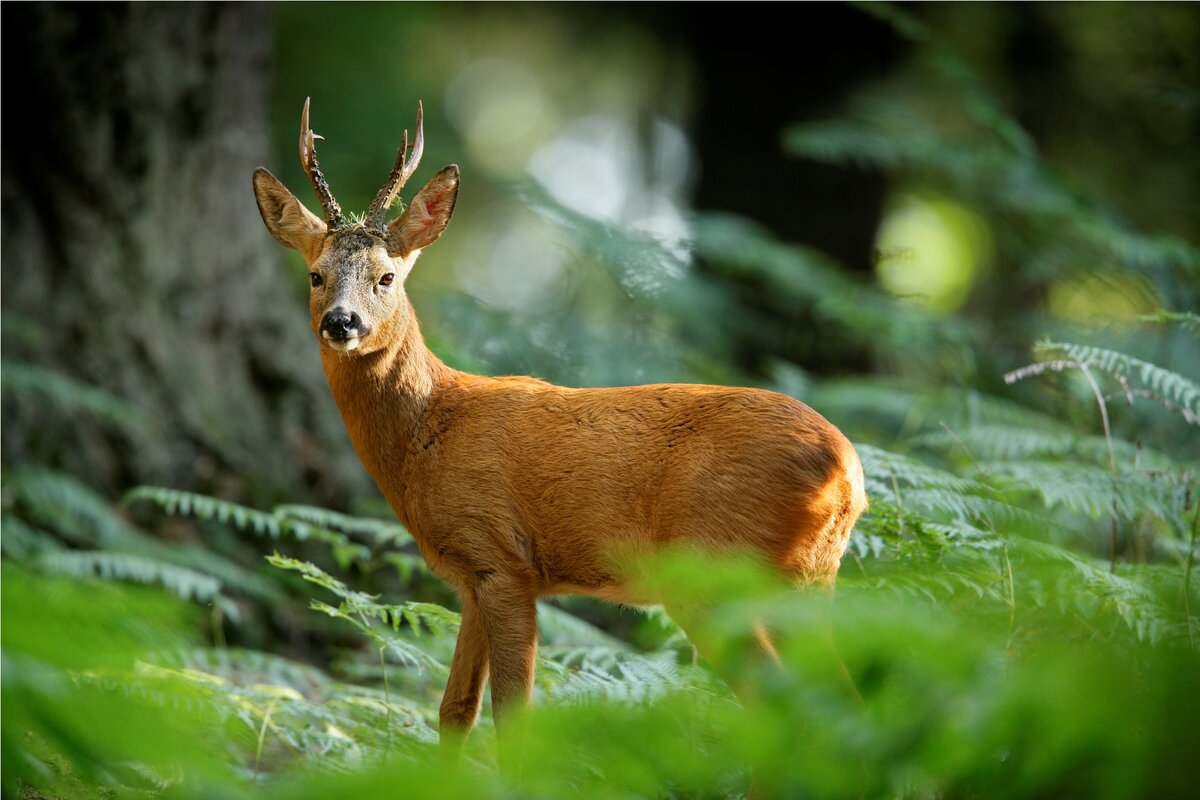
{"type": "Point", "coordinates": [341, 324]}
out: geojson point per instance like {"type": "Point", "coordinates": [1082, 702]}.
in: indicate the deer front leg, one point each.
{"type": "Point", "coordinates": [464, 689]}
{"type": "Point", "coordinates": [509, 611]}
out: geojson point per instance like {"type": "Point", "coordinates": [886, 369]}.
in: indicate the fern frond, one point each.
{"type": "Point", "coordinates": [993, 514]}
{"type": "Point", "coordinates": [23, 542]}
{"type": "Point", "coordinates": [977, 579]}
{"type": "Point", "coordinates": [361, 610]}
{"type": "Point", "coordinates": [406, 564]}
{"type": "Point", "coordinates": [335, 730]}
{"type": "Point", "coordinates": [899, 407]}
{"type": "Point", "coordinates": [642, 265]}
{"type": "Point", "coordinates": [243, 667]}
{"type": "Point", "coordinates": [1170, 386]}
{"type": "Point", "coordinates": [1131, 601]}
{"type": "Point", "coordinates": [186, 583]}
{"type": "Point", "coordinates": [404, 652]}
{"type": "Point", "coordinates": [416, 616]}
{"type": "Point", "coordinates": [561, 628]}
{"type": "Point", "coordinates": [883, 468]}
{"type": "Point", "coordinates": [377, 711]}
{"type": "Point", "coordinates": [301, 522]}
{"type": "Point", "coordinates": [378, 701]}
{"type": "Point", "coordinates": [68, 507]}
{"type": "Point", "coordinates": [882, 402]}
{"type": "Point", "coordinates": [1187, 320]}
{"type": "Point", "coordinates": [230, 573]}
{"type": "Point", "coordinates": [71, 395]}
{"type": "Point", "coordinates": [933, 525]}
{"type": "Point", "coordinates": [582, 674]}
{"type": "Point", "coordinates": [175, 502]}
{"type": "Point", "coordinates": [963, 532]}
{"type": "Point", "coordinates": [1000, 442]}
{"type": "Point", "coordinates": [986, 442]}
{"type": "Point", "coordinates": [344, 551]}
{"type": "Point", "coordinates": [1095, 491]}
{"type": "Point", "coordinates": [378, 531]}
{"type": "Point", "coordinates": [314, 574]}
{"type": "Point", "coordinates": [866, 545]}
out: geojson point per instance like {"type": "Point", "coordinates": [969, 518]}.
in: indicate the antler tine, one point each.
{"type": "Point", "coordinates": [377, 213]}
{"type": "Point", "coordinates": [308, 160]}
{"type": "Point", "coordinates": [405, 167]}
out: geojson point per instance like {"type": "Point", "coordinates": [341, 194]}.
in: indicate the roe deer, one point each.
{"type": "Point", "coordinates": [515, 488]}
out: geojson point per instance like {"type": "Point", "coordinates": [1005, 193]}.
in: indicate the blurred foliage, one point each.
{"type": "Point", "coordinates": [1016, 615]}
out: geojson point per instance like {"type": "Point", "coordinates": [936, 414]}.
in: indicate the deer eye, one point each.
{"type": "Point", "coordinates": [315, 279]}
{"type": "Point", "coordinates": [386, 280]}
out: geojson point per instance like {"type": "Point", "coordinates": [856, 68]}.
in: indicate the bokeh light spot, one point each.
{"type": "Point", "coordinates": [496, 105]}
{"type": "Point", "coordinates": [512, 259]}
{"type": "Point", "coordinates": [932, 251]}
{"type": "Point", "coordinates": [1090, 298]}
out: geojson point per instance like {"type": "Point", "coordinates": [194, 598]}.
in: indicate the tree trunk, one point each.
{"type": "Point", "coordinates": [135, 261]}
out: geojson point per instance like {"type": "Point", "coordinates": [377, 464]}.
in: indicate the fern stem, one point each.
{"type": "Point", "coordinates": [262, 735]}
{"type": "Point", "coordinates": [387, 697]}
{"type": "Point", "coordinates": [1012, 601]}
{"type": "Point", "coordinates": [1087, 373]}
{"type": "Point", "coordinates": [858, 563]}
{"type": "Point", "coordinates": [899, 502]}
{"type": "Point", "coordinates": [1112, 461]}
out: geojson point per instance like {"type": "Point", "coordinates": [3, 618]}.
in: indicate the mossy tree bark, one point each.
{"type": "Point", "coordinates": [134, 259]}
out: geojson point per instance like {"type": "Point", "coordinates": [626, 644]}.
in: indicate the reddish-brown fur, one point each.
{"type": "Point", "coordinates": [515, 488]}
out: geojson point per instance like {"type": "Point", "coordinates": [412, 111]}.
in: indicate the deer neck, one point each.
{"type": "Point", "coordinates": [384, 396]}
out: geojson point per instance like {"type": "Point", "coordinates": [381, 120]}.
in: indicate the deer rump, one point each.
{"type": "Point", "coordinates": [564, 487]}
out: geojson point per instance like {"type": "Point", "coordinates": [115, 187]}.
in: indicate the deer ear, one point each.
{"type": "Point", "coordinates": [286, 218]}
{"type": "Point", "coordinates": [426, 216]}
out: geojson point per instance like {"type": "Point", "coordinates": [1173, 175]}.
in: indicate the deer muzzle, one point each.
{"type": "Point", "coordinates": [342, 329]}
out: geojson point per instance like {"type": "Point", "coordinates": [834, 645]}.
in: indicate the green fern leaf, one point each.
{"type": "Point", "coordinates": [560, 628]}
{"type": "Point", "coordinates": [71, 395]}
{"type": "Point", "coordinates": [1132, 602]}
{"type": "Point", "coordinates": [1187, 320]}
{"type": "Point", "coordinates": [1164, 384]}
{"type": "Point", "coordinates": [378, 531]}
{"type": "Point", "coordinates": [63, 504]}
{"type": "Point", "coordinates": [22, 541]}
{"type": "Point", "coordinates": [1095, 491]}
{"type": "Point", "coordinates": [186, 583]}
{"type": "Point", "coordinates": [883, 469]}
{"type": "Point", "coordinates": [175, 502]}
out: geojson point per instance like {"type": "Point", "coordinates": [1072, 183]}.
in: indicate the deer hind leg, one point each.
{"type": "Point", "coordinates": [468, 673]}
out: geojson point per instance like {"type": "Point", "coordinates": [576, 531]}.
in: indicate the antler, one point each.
{"type": "Point", "coordinates": [308, 160]}
{"type": "Point", "coordinates": [405, 167]}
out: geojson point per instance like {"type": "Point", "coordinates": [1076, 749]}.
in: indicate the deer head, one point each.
{"type": "Point", "coordinates": [357, 269]}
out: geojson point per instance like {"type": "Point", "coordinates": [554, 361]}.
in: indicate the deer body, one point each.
{"type": "Point", "coordinates": [515, 488]}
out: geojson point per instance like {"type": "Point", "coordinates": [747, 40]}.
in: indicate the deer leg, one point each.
{"type": "Point", "coordinates": [464, 689]}
{"type": "Point", "coordinates": [507, 605]}
{"type": "Point", "coordinates": [509, 611]}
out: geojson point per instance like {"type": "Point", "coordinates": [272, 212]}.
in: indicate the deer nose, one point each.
{"type": "Point", "coordinates": [338, 323]}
